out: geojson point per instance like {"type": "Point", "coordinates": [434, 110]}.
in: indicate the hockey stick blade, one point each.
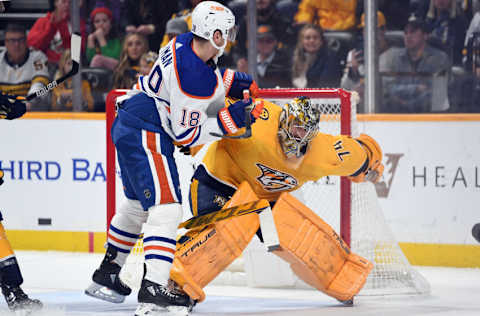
{"type": "Point", "coordinates": [248, 129]}
{"type": "Point", "coordinates": [234, 211]}
{"type": "Point", "coordinates": [75, 46]}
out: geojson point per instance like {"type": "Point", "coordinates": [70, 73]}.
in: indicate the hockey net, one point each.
{"type": "Point", "coordinates": [351, 209]}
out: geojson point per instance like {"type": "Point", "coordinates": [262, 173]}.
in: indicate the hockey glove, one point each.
{"type": "Point", "coordinates": [230, 119]}
{"type": "Point", "coordinates": [373, 169]}
{"type": "Point", "coordinates": [11, 107]}
{"type": "Point", "coordinates": [1, 177]}
{"type": "Point", "coordinates": [235, 82]}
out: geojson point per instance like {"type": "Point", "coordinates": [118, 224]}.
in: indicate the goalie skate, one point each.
{"type": "Point", "coordinates": [18, 302]}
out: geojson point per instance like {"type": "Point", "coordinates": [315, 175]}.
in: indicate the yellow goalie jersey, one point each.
{"type": "Point", "coordinates": [261, 161]}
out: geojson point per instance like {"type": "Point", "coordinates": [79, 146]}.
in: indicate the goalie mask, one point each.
{"type": "Point", "coordinates": [209, 16]}
{"type": "Point", "coordinates": [299, 123]}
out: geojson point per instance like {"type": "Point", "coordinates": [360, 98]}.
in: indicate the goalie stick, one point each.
{"type": "Point", "coordinates": [238, 210]}
{"type": "Point", "coordinates": [75, 46]}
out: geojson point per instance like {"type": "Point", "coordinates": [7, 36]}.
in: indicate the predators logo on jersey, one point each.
{"type": "Point", "coordinates": [273, 180]}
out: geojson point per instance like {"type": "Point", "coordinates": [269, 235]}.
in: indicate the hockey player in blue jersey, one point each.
{"type": "Point", "coordinates": [181, 102]}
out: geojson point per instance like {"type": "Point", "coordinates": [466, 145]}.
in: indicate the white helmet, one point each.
{"type": "Point", "coordinates": [209, 16]}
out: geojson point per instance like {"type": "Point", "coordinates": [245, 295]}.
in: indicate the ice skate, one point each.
{"type": "Point", "coordinates": [18, 302]}
{"type": "Point", "coordinates": [107, 284]}
{"type": "Point", "coordinates": [155, 300]}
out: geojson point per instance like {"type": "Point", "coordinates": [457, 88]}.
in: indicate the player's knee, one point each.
{"type": "Point", "coordinates": [130, 216]}
{"type": "Point", "coordinates": [164, 213]}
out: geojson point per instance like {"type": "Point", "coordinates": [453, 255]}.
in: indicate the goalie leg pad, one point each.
{"type": "Point", "coordinates": [316, 252]}
{"type": "Point", "coordinates": [211, 249]}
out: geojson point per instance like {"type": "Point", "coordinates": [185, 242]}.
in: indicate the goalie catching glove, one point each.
{"type": "Point", "coordinates": [231, 118]}
{"type": "Point", "coordinates": [372, 170]}
{"type": "Point", "coordinates": [11, 107]}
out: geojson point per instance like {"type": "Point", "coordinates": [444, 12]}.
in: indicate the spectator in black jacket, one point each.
{"type": "Point", "coordinates": [447, 25]}
{"type": "Point", "coordinates": [267, 14]}
{"type": "Point", "coordinates": [149, 17]}
{"type": "Point", "coordinates": [273, 63]}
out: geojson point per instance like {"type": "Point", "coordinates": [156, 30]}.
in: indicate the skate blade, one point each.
{"type": "Point", "coordinates": [148, 309]}
{"type": "Point", "coordinates": [104, 293]}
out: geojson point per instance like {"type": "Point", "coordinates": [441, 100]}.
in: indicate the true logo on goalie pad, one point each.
{"type": "Point", "coordinates": [273, 180]}
{"type": "Point", "coordinates": [196, 245]}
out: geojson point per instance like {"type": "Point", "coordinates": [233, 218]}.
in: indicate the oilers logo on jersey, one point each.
{"type": "Point", "coordinates": [273, 180]}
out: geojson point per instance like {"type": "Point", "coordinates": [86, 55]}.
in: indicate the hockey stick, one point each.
{"type": "Point", "coordinates": [238, 210]}
{"type": "Point", "coordinates": [75, 46]}
{"type": "Point", "coordinates": [248, 122]}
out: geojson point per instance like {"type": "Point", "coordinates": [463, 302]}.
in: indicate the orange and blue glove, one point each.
{"type": "Point", "coordinates": [236, 82]}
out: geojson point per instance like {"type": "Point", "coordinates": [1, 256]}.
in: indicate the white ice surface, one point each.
{"type": "Point", "coordinates": [59, 278]}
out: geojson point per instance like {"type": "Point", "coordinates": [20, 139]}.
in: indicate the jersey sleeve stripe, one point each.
{"type": "Point", "coordinates": [191, 140]}
{"type": "Point", "coordinates": [178, 77]}
{"type": "Point", "coordinates": [184, 134]}
{"type": "Point", "coordinates": [140, 80]}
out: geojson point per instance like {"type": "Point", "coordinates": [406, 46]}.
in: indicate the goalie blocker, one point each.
{"type": "Point", "coordinates": [316, 253]}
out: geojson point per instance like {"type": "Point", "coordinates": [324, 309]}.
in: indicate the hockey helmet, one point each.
{"type": "Point", "coordinates": [209, 16]}
{"type": "Point", "coordinates": [299, 123]}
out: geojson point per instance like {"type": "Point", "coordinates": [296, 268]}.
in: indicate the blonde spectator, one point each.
{"type": "Point", "coordinates": [315, 65]}
{"type": "Point", "coordinates": [62, 95]}
{"type": "Point", "coordinates": [126, 73]}
{"type": "Point", "coordinates": [146, 62]}
{"type": "Point", "coordinates": [332, 15]}
{"type": "Point", "coordinates": [103, 44]}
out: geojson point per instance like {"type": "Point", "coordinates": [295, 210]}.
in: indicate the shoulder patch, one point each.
{"type": "Point", "coordinates": [265, 114]}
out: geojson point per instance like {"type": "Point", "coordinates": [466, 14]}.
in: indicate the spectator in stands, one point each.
{"type": "Point", "coordinates": [117, 7]}
{"type": "Point", "coordinates": [332, 15]}
{"type": "Point", "coordinates": [314, 63]}
{"type": "Point", "coordinates": [103, 44]}
{"type": "Point", "coordinates": [353, 76]}
{"type": "Point", "coordinates": [273, 63]}
{"type": "Point", "coordinates": [396, 12]}
{"type": "Point", "coordinates": [62, 95]}
{"type": "Point", "coordinates": [267, 14]}
{"type": "Point", "coordinates": [149, 17]}
{"type": "Point", "coordinates": [146, 62]}
{"type": "Point", "coordinates": [51, 33]}
{"type": "Point", "coordinates": [447, 25]}
{"type": "Point", "coordinates": [410, 74]}
{"type": "Point", "coordinates": [185, 14]}
{"type": "Point", "coordinates": [24, 71]}
{"type": "Point", "coordinates": [126, 73]}
{"type": "Point", "coordinates": [175, 27]}
{"type": "Point", "coordinates": [465, 90]}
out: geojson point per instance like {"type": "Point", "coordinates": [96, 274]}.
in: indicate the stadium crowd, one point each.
{"type": "Point", "coordinates": [428, 50]}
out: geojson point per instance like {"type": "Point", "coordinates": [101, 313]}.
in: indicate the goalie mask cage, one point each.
{"type": "Point", "coordinates": [350, 208]}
